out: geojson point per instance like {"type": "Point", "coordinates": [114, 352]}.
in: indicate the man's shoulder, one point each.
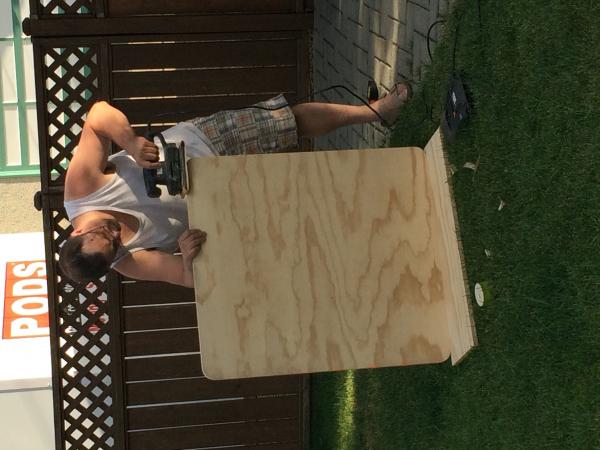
{"type": "Point", "coordinates": [79, 191]}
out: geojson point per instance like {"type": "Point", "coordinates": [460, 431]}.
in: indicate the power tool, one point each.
{"type": "Point", "coordinates": [172, 171]}
{"type": "Point", "coordinates": [457, 109]}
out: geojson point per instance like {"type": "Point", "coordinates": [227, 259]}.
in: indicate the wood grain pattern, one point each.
{"type": "Point", "coordinates": [320, 261]}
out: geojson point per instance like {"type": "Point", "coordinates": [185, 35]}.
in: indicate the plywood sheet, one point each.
{"type": "Point", "coordinates": [323, 261]}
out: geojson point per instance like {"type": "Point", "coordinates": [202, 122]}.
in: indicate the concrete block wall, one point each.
{"type": "Point", "coordinates": [358, 40]}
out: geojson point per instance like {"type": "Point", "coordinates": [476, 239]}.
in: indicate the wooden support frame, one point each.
{"type": "Point", "coordinates": [158, 25]}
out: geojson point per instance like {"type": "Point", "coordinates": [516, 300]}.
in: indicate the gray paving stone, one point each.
{"type": "Point", "coordinates": [425, 4]}
{"type": "Point", "coordinates": [443, 7]}
{"type": "Point", "coordinates": [375, 22]}
{"type": "Point", "coordinates": [394, 9]}
{"type": "Point", "coordinates": [358, 40]}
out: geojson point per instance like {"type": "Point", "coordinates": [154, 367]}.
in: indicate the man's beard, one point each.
{"type": "Point", "coordinates": [113, 225]}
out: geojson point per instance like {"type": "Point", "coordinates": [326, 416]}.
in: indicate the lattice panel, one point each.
{"type": "Point", "coordinates": [71, 85]}
{"type": "Point", "coordinates": [84, 353]}
{"type": "Point", "coordinates": [68, 7]}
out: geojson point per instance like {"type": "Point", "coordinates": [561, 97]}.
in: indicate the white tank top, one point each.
{"type": "Point", "coordinates": [162, 219]}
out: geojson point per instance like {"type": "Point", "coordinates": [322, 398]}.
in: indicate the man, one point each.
{"type": "Point", "coordinates": [115, 224]}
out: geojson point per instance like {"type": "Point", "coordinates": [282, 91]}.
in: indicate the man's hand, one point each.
{"type": "Point", "coordinates": [160, 266]}
{"type": "Point", "coordinates": [144, 152]}
{"type": "Point", "coordinates": [190, 244]}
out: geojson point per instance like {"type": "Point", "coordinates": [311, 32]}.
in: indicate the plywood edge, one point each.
{"type": "Point", "coordinates": [190, 197]}
{"type": "Point", "coordinates": [461, 324]}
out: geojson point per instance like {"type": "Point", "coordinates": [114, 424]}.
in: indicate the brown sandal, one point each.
{"type": "Point", "coordinates": [395, 90]}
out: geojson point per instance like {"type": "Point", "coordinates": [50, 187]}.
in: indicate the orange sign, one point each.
{"type": "Point", "coordinates": [25, 300]}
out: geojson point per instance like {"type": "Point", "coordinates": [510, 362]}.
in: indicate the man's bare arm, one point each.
{"type": "Point", "coordinates": [155, 265]}
{"type": "Point", "coordinates": [159, 266]}
{"type": "Point", "coordinates": [103, 124]}
{"type": "Point", "coordinates": [109, 122]}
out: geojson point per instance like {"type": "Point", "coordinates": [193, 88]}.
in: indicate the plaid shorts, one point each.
{"type": "Point", "coordinates": [251, 130]}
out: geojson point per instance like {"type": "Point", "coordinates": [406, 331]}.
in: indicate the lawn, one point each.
{"type": "Point", "coordinates": [533, 70]}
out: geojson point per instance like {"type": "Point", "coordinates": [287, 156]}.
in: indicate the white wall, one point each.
{"type": "Point", "coordinates": [26, 412]}
{"type": "Point", "coordinates": [26, 420]}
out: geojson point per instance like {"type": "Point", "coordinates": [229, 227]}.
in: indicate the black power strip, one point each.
{"type": "Point", "coordinates": [457, 109]}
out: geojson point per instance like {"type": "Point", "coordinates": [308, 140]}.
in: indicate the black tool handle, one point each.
{"type": "Point", "coordinates": [150, 135]}
{"type": "Point", "coordinates": [151, 176]}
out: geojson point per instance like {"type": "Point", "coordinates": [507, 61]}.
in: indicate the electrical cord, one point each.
{"type": "Point", "coordinates": [429, 109]}
{"type": "Point", "coordinates": [437, 22]}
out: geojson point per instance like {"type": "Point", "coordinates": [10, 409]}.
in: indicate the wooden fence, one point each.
{"type": "Point", "coordinates": [125, 354]}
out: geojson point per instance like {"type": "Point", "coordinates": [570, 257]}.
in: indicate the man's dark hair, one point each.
{"type": "Point", "coordinates": [79, 266]}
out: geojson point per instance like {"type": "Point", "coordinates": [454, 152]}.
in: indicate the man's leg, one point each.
{"type": "Point", "coordinates": [316, 119]}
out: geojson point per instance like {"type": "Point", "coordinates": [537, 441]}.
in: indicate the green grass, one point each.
{"type": "Point", "coordinates": [533, 70]}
